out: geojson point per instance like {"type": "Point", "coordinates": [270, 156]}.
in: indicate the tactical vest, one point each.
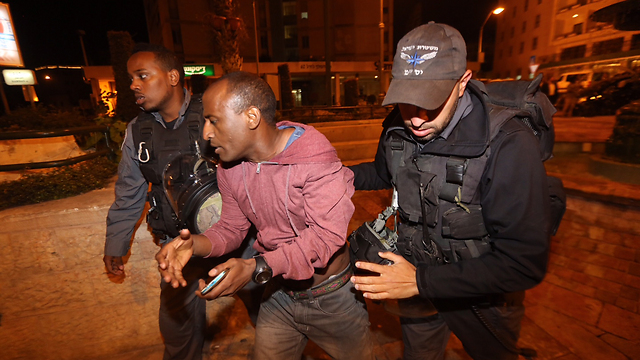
{"type": "Point", "coordinates": [437, 194]}
{"type": "Point", "coordinates": [437, 197]}
{"type": "Point", "coordinates": [155, 146]}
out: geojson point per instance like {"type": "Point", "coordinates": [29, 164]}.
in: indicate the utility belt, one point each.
{"type": "Point", "coordinates": [326, 287]}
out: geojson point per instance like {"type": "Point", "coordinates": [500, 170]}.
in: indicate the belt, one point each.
{"type": "Point", "coordinates": [323, 288]}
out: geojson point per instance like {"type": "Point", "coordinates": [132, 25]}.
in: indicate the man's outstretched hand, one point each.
{"type": "Point", "coordinates": [173, 257]}
{"type": "Point", "coordinates": [397, 281]}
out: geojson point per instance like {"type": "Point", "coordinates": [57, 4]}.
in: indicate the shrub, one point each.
{"type": "Point", "coordinates": [44, 118]}
{"type": "Point", "coordinates": [60, 183]}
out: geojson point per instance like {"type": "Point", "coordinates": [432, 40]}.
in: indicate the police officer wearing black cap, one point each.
{"type": "Point", "coordinates": [472, 254]}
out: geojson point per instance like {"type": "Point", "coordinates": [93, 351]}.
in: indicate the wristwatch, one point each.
{"type": "Point", "coordinates": [262, 274]}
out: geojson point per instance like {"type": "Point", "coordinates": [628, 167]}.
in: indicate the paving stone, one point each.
{"type": "Point", "coordinates": [630, 305]}
{"type": "Point", "coordinates": [619, 322]}
{"type": "Point", "coordinates": [631, 241]}
{"type": "Point", "coordinates": [596, 282]}
{"type": "Point", "coordinates": [629, 348]}
{"type": "Point", "coordinates": [578, 340]}
{"type": "Point", "coordinates": [604, 296]}
{"type": "Point", "coordinates": [634, 269]}
{"type": "Point", "coordinates": [630, 293]}
{"type": "Point", "coordinates": [558, 281]}
{"type": "Point", "coordinates": [534, 337]}
{"type": "Point", "coordinates": [596, 232]}
{"type": "Point", "coordinates": [572, 228]}
{"type": "Point", "coordinates": [613, 237]}
{"type": "Point", "coordinates": [567, 302]}
{"type": "Point", "coordinates": [631, 280]}
{"type": "Point", "coordinates": [605, 273]}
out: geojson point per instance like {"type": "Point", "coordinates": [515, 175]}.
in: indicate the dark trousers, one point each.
{"type": "Point", "coordinates": [183, 315]}
{"type": "Point", "coordinates": [426, 338]}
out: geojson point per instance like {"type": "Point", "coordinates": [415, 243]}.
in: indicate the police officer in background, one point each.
{"type": "Point", "coordinates": [170, 123]}
{"type": "Point", "coordinates": [476, 283]}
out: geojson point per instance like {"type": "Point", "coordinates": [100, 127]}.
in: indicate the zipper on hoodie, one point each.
{"type": "Point", "coordinates": [264, 162]}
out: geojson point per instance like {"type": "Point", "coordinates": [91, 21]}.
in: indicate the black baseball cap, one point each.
{"type": "Point", "coordinates": [429, 60]}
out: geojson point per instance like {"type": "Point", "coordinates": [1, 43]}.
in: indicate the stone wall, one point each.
{"type": "Point", "coordinates": [56, 300]}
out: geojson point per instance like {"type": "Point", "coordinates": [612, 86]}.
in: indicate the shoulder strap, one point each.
{"type": "Point", "coordinates": [397, 146]}
{"type": "Point", "coordinates": [194, 119]}
{"type": "Point", "coordinates": [474, 167]}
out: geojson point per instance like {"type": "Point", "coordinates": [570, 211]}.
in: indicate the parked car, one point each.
{"type": "Point", "coordinates": [588, 78]}
{"type": "Point", "coordinates": [623, 143]}
{"type": "Point", "coordinates": [607, 96]}
{"type": "Point", "coordinates": [584, 77]}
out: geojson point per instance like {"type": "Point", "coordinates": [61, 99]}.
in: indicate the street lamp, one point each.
{"type": "Point", "coordinates": [381, 68]}
{"type": "Point", "coordinates": [480, 53]}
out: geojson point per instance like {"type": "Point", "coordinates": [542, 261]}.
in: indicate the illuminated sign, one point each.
{"type": "Point", "coordinates": [206, 70]}
{"type": "Point", "coordinates": [19, 77]}
{"type": "Point", "coordinates": [9, 49]}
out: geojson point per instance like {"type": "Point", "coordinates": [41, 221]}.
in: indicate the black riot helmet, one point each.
{"type": "Point", "coordinates": [191, 186]}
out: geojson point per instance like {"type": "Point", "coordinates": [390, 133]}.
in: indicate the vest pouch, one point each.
{"type": "Point", "coordinates": [411, 183]}
{"type": "Point", "coordinates": [469, 249]}
{"type": "Point", "coordinates": [459, 224]}
{"type": "Point", "coordinates": [411, 245]}
{"type": "Point", "coordinates": [161, 218]}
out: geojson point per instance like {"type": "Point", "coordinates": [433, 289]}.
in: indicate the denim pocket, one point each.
{"type": "Point", "coordinates": [338, 302]}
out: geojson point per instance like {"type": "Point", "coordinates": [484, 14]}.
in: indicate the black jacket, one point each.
{"type": "Point", "coordinates": [514, 197]}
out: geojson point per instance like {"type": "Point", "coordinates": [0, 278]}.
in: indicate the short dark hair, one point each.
{"type": "Point", "coordinates": [165, 57]}
{"type": "Point", "coordinates": [246, 90]}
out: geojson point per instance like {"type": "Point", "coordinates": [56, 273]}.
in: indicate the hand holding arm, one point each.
{"type": "Point", "coordinates": [397, 281]}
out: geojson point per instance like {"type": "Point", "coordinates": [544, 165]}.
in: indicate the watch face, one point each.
{"type": "Point", "coordinates": [263, 277]}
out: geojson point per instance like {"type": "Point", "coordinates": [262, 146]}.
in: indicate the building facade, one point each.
{"type": "Point", "coordinates": [319, 39]}
{"type": "Point", "coordinates": [559, 36]}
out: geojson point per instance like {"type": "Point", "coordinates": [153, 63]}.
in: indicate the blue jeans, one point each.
{"type": "Point", "coordinates": [337, 322]}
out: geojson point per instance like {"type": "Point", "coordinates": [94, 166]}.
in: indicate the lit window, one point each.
{"type": "Point", "coordinates": [288, 8]}
{"type": "Point", "coordinates": [290, 32]}
{"type": "Point", "coordinates": [304, 15]}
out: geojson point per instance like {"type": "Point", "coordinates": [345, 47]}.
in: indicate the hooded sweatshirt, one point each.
{"type": "Point", "coordinates": [299, 201]}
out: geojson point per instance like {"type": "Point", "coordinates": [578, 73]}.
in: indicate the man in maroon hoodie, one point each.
{"type": "Point", "coordinates": [288, 181]}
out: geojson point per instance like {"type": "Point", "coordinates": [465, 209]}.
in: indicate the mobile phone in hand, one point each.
{"type": "Point", "coordinates": [215, 281]}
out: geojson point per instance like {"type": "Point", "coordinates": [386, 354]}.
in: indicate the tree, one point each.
{"type": "Point", "coordinates": [226, 29]}
{"type": "Point", "coordinates": [286, 95]}
{"type": "Point", "coordinates": [120, 46]}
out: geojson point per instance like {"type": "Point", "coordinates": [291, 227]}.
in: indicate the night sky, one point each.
{"type": "Point", "coordinates": [47, 29]}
